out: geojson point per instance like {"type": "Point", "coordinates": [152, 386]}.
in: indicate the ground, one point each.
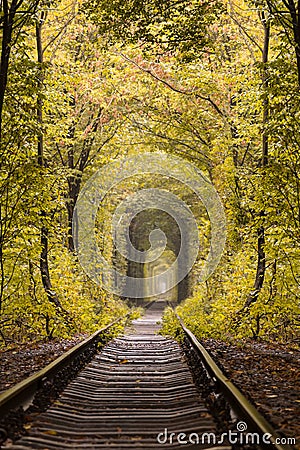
{"type": "Point", "coordinates": [268, 374]}
{"type": "Point", "coordinates": [20, 362]}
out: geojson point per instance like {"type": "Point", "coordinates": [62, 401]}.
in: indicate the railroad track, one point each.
{"type": "Point", "coordinates": [139, 392]}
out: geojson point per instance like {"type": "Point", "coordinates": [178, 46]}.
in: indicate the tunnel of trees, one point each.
{"type": "Point", "coordinates": [85, 83]}
{"type": "Point", "coordinates": [141, 228]}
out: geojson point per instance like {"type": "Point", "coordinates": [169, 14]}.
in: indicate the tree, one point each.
{"type": "Point", "coordinates": [42, 288]}
{"type": "Point", "coordinates": [261, 254]}
{"type": "Point", "coordinates": [169, 26]}
{"type": "Point", "coordinates": [286, 13]}
{"type": "Point", "coordinates": [16, 15]}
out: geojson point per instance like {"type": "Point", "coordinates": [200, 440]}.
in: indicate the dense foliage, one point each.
{"type": "Point", "coordinates": [83, 83]}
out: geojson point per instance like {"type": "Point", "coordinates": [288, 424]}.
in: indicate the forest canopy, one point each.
{"type": "Point", "coordinates": [85, 83]}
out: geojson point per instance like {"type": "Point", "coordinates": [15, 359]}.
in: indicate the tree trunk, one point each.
{"type": "Point", "coordinates": [2, 279]}
{"type": "Point", "coordinates": [44, 265]}
{"type": "Point", "coordinates": [295, 16]}
{"type": "Point", "coordinates": [40, 87]}
{"type": "Point", "coordinates": [260, 270]}
{"type": "Point", "coordinates": [74, 187]}
{"type": "Point", "coordinates": [74, 183]}
{"type": "Point", "coordinates": [44, 268]}
{"type": "Point", "coordinates": [261, 255]}
{"type": "Point", "coordinates": [293, 9]}
{"type": "Point", "coordinates": [7, 27]}
{"type": "Point", "coordinates": [74, 180]}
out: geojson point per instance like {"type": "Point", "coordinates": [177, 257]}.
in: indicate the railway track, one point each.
{"type": "Point", "coordinates": [139, 392]}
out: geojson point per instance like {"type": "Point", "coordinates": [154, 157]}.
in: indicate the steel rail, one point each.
{"type": "Point", "coordinates": [23, 393]}
{"type": "Point", "coordinates": [137, 353]}
{"type": "Point", "coordinates": [237, 401]}
{"type": "Point", "coordinates": [136, 392]}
